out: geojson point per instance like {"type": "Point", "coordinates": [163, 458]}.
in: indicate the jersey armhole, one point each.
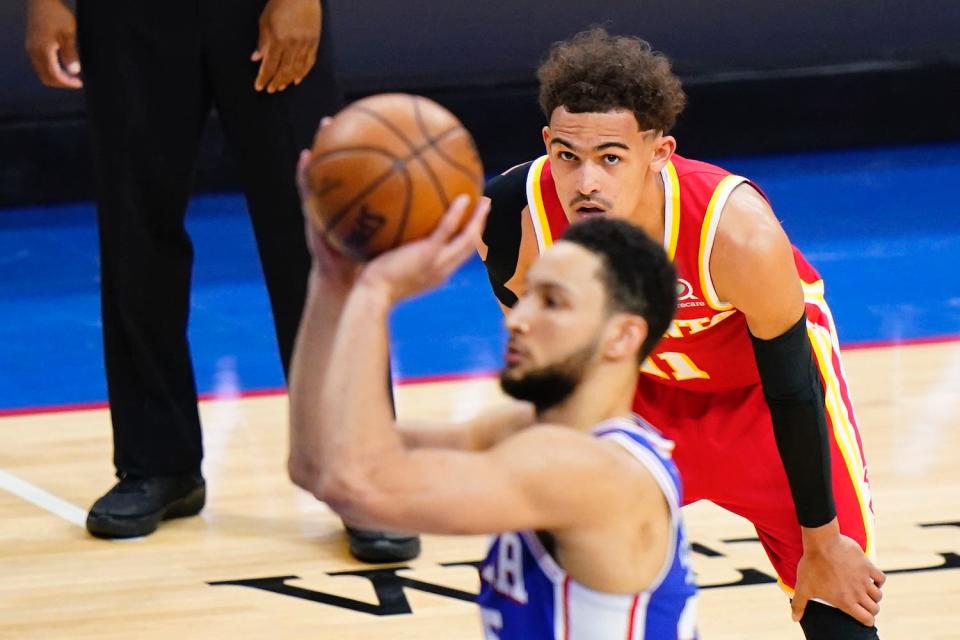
{"type": "Point", "coordinates": [708, 233]}
{"type": "Point", "coordinates": [654, 465]}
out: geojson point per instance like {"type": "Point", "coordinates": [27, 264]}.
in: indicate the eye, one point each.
{"type": "Point", "coordinates": [551, 301]}
{"type": "Point", "coordinates": [611, 159]}
{"type": "Point", "coordinates": [566, 156]}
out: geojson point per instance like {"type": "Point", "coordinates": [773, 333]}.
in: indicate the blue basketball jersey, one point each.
{"type": "Point", "coordinates": [525, 594]}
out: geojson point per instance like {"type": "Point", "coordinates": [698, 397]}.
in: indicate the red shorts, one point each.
{"type": "Point", "coordinates": [726, 453]}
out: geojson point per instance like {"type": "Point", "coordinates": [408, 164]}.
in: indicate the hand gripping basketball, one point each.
{"type": "Point", "coordinates": [428, 262]}
{"type": "Point", "coordinates": [385, 170]}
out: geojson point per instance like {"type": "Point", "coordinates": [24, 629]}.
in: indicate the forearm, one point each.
{"type": "Point", "coordinates": [794, 393]}
{"type": "Point", "coordinates": [308, 370]}
{"type": "Point", "coordinates": [353, 419]}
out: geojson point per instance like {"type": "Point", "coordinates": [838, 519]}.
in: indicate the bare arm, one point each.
{"type": "Point", "coordinates": [753, 269]}
{"type": "Point", "coordinates": [752, 265]}
{"type": "Point", "coordinates": [476, 434]}
{"type": "Point", "coordinates": [357, 460]}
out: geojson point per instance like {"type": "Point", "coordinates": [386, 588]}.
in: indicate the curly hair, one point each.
{"type": "Point", "coordinates": [595, 72]}
{"type": "Point", "coordinates": [637, 274]}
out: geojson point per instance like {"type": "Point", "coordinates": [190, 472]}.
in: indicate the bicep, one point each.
{"type": "Point", "coordinates": [544, 480]}
{"type": "Point", "coordinates": [417, 434]}
{"type": "Point", "coordinates": [478, 432]}
{"type": "Point", "coordinates": [753, 265]}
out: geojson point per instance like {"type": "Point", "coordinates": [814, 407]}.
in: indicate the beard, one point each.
{"type": "Point", "coordinates": [549, 386]}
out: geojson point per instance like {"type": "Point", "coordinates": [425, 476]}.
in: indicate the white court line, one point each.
{"type": "Point", "coordinates": [31, 493]}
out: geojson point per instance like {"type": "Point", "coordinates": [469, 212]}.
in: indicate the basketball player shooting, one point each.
{"type": "Point", "coordinates": [582, 492]}
{"type": "Point", "coordinates": [747, 380]}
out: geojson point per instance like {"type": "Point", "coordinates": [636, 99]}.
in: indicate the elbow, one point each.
{"type": "Point", "coordinates": [349, 488]}
{"type": "Point", "coordinates": [330, 485]}
{"type": "Point", "coordinates": [352, 497]}
{"type": "Point", "coordinates": [339, 493]}
{"type": "Point", "coordinates": [349, 493]}
{"type": "Point", "coordinates": [303, 472]}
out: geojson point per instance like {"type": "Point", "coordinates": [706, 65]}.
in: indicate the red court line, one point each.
{"type": "Point", "coordinates": [902, 342]}
{"type": "Point", "coordinates": [447, 377]}
{"type": "Point", "coordinates": [53, 408]}
{"type": "Point", "coordinates": [250, 393]}
{"type": "Point", "coordinates": [444, 377]}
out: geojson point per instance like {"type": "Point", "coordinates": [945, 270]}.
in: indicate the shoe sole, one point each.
{"type": "Point", "coordinates": [107, 526]}
{"type": "Point", "coordinates": [380, 550]}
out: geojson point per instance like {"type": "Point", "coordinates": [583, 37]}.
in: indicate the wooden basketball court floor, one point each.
{"type": "Point", "coordinates": [265, 560]}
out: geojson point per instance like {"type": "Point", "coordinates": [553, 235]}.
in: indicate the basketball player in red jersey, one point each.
{"type": "Point", "coordinates": [748, 380]}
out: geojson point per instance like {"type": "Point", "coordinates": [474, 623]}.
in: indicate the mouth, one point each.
{"type": "Point", "coordinates": [513, 356]}
{"type": "Point", "coordinates": [590, 210]}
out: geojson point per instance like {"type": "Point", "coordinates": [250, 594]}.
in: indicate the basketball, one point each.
{"type": "Point", "coordinates": [385, 170]}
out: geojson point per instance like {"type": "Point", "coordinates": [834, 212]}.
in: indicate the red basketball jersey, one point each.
{"type": "Point", "coordinates": [701, 385]}
{"type": "Point", "coordinates": [707, 347]}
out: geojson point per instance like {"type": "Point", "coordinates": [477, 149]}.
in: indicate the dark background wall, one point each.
{"type": "Point", "coordinates": [761, 76]}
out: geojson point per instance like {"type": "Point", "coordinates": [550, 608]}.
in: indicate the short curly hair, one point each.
{"type": "Point", "coordinates": [637, 274]}
{"type": "Point", "coordinates": [595, 72]}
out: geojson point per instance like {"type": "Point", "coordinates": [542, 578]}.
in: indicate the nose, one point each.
{"type": "Point", "coordinates": [517, 319]}
{"type": "Point", "coordinates": [588, 179]}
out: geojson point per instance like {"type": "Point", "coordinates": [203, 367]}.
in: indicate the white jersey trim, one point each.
{"type": "Point", "coordinates": [640, 427]}
{"type": "Point", "coordinates": [572, 598]}
{"type": "Point", "coordinates": [538, 215]}
{"type": "Point", "coordinates": [709, 233]}
{"type": "Point", "coordinates": [655, 466]}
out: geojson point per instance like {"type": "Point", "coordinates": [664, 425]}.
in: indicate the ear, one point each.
{"type": "Point", "coordinates": [546, 138]}
{"type": "Point", "coordinates": [663, 150]}
{"type": "Point", "coordinates": [627, 333]}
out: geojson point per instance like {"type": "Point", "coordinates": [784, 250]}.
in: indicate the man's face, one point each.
{"type": "Point", "coordinates": [600, 162]}
{"type": "Point", "coordinates": [556, 327]}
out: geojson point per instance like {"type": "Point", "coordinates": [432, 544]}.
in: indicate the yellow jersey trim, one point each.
{"type": "Point", "coordinates": [671, 206]}
{"type": "Point", "coordinates": [538, 214]}
{"type": "Point", "coordinates": [708, 232]}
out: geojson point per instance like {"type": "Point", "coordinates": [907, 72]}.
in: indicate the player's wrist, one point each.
{"type": "Point", "coordinates": [330, 285]}
{"type": "Point", "coordinates": [822, 537]}
{"type": "Point", "coordinates": [376, 291]}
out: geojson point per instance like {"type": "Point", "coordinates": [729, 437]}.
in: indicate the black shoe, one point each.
{"type": "Point", "coordinates": [136, 504]}
{"type": "Point", "coordinates": [382, 546]}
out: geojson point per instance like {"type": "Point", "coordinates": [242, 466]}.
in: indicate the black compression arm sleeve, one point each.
{"type": "Point", "coordinates": [794, 393]}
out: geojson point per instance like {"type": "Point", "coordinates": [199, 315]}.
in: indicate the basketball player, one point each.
{"type": "Point", "coordinates": [747, 380]}
{"type": "Point", "coordinates": [586, 499]}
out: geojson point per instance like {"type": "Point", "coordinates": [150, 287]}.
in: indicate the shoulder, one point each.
{"type": "Point", "coordinates": [748, 223]}
{"type": "Point", "coordinates": [508, 197]}
{"type": "Point", "coordinates": [560, 438]}
{"type": "Point", "coordinates": [557, 447]}
{"type": "Point", "coordinates": [574, 454]}
{"type": "Point", "coordinates": [753, 264]}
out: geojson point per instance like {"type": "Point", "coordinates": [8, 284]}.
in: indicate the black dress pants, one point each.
{"type": "Point", "coordinates": [152, 71]}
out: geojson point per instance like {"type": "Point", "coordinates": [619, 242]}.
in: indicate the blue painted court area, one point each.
{"type": "Point", "coordinates": [882, 226]}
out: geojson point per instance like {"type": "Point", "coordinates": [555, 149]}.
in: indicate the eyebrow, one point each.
{"type": "Point", "coordinates": [549, 286]}
{"type": "Point", "coordinates": [605, 145]}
